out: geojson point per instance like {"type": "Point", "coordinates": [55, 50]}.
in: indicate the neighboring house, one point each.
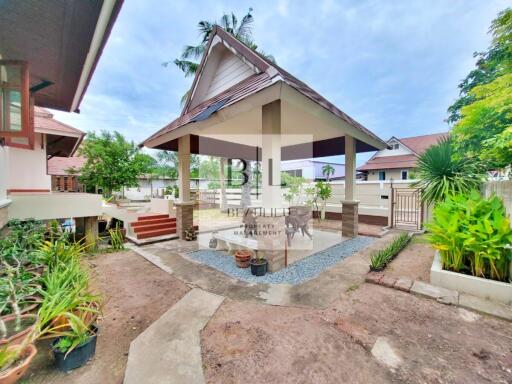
{"type": "Point", "coordinates": [63, 180]}
{"type": "Point", "coordinates": [48, 56]}
{"type": "Point", "coordinates": [398, 161]}
{"type": "Point", "coordinates": [312, 169]}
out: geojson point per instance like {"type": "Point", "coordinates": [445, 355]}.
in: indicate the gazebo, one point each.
{"type": "Point", "coordinates": [243, 106]}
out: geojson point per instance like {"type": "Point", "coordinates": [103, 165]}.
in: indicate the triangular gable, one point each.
{"type": "Point", "coordinates": [226, 62]}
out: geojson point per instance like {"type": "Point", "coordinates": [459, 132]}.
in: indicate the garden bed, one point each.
{"type": "Point", "coordinates": [296, 273]}
{"type": "Point", "coordinates": [477, 286]}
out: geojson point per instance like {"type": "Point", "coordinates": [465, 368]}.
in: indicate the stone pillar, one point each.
{"type": "Point", "coordinates": [184, 168]}
{"type": "Point", "coordinates": [271, 155]}
{"type": "Point", "coordinates": [271, 241]}
{"type": "Point", "coordinates": [349, 218]}
{"type": "Point", "coordinates": [91, 231]}
{"type": "Point", "coordinates": [223, 194]}
{"type": "Point", "coordinates": [184, 217]}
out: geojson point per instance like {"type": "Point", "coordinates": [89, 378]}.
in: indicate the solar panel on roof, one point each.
{"type": "Point", "coordinates": [210, 110]}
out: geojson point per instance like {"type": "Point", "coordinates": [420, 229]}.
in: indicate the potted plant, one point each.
{"type": "Point", "coordinates": [75, 347]}
{"type": "Point", "coordinates": [14, 327]}
{"type": "Point", "coordinates": [242, 258]}
{"type": "Point", "coordinates": [190, 233]}
{"type": "Point", "coordinates": [14, 361]}
{"type": "Point", "coordinates": [259, 265]}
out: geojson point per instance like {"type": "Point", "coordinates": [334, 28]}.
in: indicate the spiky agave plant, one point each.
{"type": "Point", "coordinates": [442, 174]}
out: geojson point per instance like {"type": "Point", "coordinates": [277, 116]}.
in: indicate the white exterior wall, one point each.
{"type": "Point", "coordinates": [28, 168]}
{"type": "Point", "coordinates": [395, 174]}
{"type": "Point", "coordinates": [4, 173]}
{"type": "Point", "coordinates": [230, 71]}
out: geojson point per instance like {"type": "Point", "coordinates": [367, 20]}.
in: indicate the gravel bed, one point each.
{"type": "Point", "coordinates": [296, 273]}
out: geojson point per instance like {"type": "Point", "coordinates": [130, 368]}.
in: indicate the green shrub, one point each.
{"type": "Point", "coordinates": [381, 258]}
{"type": "Point", "coordinates": [116, 238]}
{"type": "Point", "coordinates": [471, 234]}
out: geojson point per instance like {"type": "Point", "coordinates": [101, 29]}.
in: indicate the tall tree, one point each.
{"type": "Point", "coordinates": [483, 113]}
{"type": "Point", "coordinates": [328, 171]}
{"type": "Point", "coordinates": [112, 162]}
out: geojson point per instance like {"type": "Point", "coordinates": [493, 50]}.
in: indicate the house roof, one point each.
{"type": "Point", "coordinates": [62, 42]}
{"type": "Point", "coordinates": [59, 166]}
{"type": "Point", "coordinates": [62, 139]}
{"type": "Point", "coordinates": [268, 73]}
{"type": "Point", "coordinates": [417, 144]}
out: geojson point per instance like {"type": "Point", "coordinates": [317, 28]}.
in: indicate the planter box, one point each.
{"type": "Point", "coordinates": [472, 285]}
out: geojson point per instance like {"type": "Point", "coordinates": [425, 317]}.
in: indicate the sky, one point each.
{"type": "Point", "coordinates": [392, 65]}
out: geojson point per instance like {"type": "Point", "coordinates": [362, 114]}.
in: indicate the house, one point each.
{"type": "Point", "coordinates": [48, 56]}
{"type": "Point", "coordinates": [312, 170]}
{"type": "Point", "coordinates": [398, 160]}
{"type": "Point", "coordinates": [243, 106]}
{"type": "Point", "coordinates": [62, 178]}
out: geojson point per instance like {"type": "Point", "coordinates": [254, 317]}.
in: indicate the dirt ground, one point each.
{"type": "Point", "coordinates": [135, 293]}
{"type": "Point", "coordinates": [335, 225]}
{"type": "Point", "coordinates": [414, 261]}
{"type": "Point", "coordinates": [433, 343]}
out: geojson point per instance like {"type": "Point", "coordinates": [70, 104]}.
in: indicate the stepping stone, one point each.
{"type": "Point", "coordinates": [485, 306]}
{"type": "Point", "coordinates": [403, 284]}
{"type": "Point", "coordinates": [385, 354]}
{"type": "Point", "coordinates": [169, 350]}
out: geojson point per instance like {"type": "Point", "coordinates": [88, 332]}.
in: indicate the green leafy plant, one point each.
{"type": "Point", "coordinates": [441, 174]}
{"type": "Point", "coordinates": [323, 192]}
{"type": "Point", "coordinates": [381, 258]}
{"type": "Point", "coordinates": [116, 238]}
{"type": "Point", "coordinates": [472, 235]}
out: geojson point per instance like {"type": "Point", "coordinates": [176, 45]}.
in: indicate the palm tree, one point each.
{"type": "Point", "coordinates": [327, 171]}
{"type": "Point", "coordinates": [242, 31]}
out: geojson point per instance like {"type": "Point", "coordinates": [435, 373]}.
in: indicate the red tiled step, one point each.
{"type": "Point", "coordinates": [151, 227]}
{"type": "Point", "coordinates": [155, 233]}
{"type": "Point", "coordinates": [152, 217]}
{"type": "Point", "coordinates": [167, 220]}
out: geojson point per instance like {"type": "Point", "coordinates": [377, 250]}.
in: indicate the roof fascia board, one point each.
{"type": "Point", "coordinates": [97, 41]}
{"type": "Point", "coordinates": [56, 132]}
{"type": "Point", "coordinates": [296, 98]}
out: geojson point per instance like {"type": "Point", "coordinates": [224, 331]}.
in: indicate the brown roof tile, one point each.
{"type": "Point", "coordinates": [58, 166]}
{"type": "Point", "coordinates": [420, 144]}
{"type": "Point", "coordinates": [389, 162]}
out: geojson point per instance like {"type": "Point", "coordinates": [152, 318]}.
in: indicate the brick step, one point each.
{"type": "Point", "coordinates": [151, 227]}
{"type": "Point", "coordinates": [168, 220]}
{"type": "Point", "coordinates": [152, 217]}
{"type": "Point", "coordinates": [155, 233]}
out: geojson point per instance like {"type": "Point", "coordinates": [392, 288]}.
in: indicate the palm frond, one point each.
{"type": "Point", "coordinates": [245, 29]}
{"type": "Point", "coordinates": [192, 51]}
{"type": "Point", "coordinates": [189, 67]}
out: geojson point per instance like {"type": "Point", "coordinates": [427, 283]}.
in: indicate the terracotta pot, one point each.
{"type": "Point", "coordinates": [12, 375]}
{"type": "Point", "coordinates": [89, 317]}
{"type": "Point", "coordinates": [242, 258]}
{"type": "Point", "coordinates": [20, 336]}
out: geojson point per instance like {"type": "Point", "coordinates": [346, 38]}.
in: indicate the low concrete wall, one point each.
{"type": "Point", "coordinates": [476, 286]}
{"type": "Point", "coordinates": [163, 206]}
{"type": "Point", "coordinates": [4, 218]}
{"type": "Point", "coordinates": [48, 206]}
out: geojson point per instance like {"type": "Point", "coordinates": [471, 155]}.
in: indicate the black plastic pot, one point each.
{"type": "Point", "coordinates": [258, 267]}
{"type": "Point", "coordinates": [78, 356]}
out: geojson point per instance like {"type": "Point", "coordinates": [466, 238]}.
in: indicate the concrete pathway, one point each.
{"type": "Point", "coordinates": [169, 351]}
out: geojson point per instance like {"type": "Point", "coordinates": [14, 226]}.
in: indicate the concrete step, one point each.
{"type": "Point", "coordinates": [155, 233]}
{"type": "Point", "coordinates": [151, 227]}
{"type": "Point", "coordinates": [151, 217]}
{"type": "Point", "coordinates": [168, 220]}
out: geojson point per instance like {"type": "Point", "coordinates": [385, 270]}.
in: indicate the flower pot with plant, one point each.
{"type": "Point", "coordinates": [242, 258]}
{"type": "Point", "coordinates": [14, 362]}
{"type": "Point", "coordinates": [259, 265]}
{"type": "Point", "coordinates": [75, 348]}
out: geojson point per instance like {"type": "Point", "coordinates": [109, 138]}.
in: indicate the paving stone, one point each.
{"type": "Point", "coordinates": [388, 281]}
{"type": "Point", "coordinates": [485, 306]}
{"type": "Point", "coordinates": [374, 277]}
{"type": "Point", "coordinates": [385, 354]}
{"type": "Point", "coordinates": [443, 295]}
{"type": "Point", "coordinates": [357, 332]}
{"type": "Point", "coordinates": [403, 284]}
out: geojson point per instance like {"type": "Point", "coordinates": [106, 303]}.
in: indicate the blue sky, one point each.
{"type": "Point", "coordinates": [394, 66]}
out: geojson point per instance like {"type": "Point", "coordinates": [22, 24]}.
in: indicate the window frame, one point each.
{"type": "Point", "coordinates": [382, 173]}
{"type": "Point", "coordinates": [402, 174]}
{"type": "Point", "coordinates": [24, 88]}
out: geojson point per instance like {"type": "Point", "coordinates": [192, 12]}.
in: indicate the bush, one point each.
{"type": "Point", "coordinates": [381, 258]}
{"type": "Point", "coordinates": [471, 234]}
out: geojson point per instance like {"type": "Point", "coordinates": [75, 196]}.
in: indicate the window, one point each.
{"type": "Point", "coordinates": [14, 99]}
{"type": "Point", "coordinates": [404, 174]}
{"type": "Point", "coordinates": [295, 172]}
{"type": "Point", "coordinates": [396, 146]}
{"type": "Point", "coordinates": [382, 175]}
